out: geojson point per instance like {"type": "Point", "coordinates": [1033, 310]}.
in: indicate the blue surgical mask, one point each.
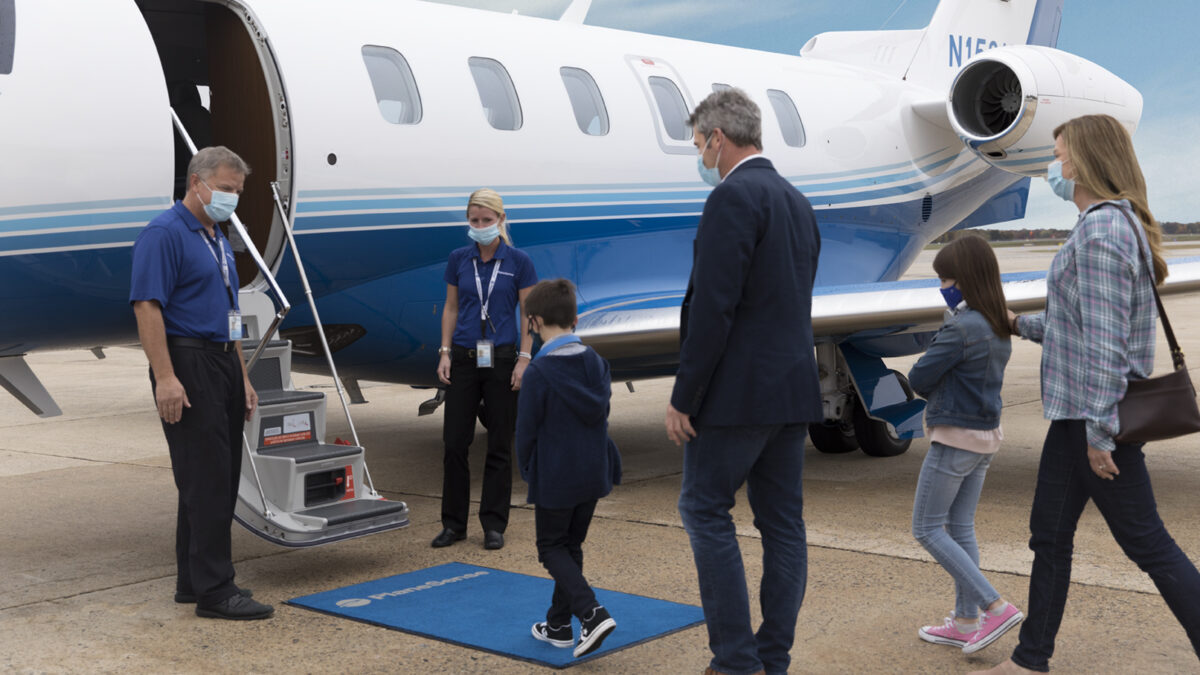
{"type": "Point", "coordinates": [711, 176]}
{"type": "Point", "coordinates": [1063, 187]}
{"type": "Point", "coordinates": [952, 295]}
{"type": "Point", "coordinates": [221, 205]}
{"type": "Point", "coordinates": [484, 235]}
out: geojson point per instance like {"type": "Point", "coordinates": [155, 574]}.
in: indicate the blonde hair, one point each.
{"type": "Point", "coordinates": [490, 199]}
{"type": "Point", "coordinates": [1101, 150]}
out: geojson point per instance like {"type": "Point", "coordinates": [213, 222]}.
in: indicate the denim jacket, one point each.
{"type": "Point", "coordinates": [961, 372]}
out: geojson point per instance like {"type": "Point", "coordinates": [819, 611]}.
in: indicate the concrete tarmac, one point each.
{"type": "Point", "coordinates": [87, 563]}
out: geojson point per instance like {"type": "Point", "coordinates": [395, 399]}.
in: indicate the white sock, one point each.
{"type": "Point", "coordinates": [999, 610]}
{"type": "Point", "coordinates": [966, 625]}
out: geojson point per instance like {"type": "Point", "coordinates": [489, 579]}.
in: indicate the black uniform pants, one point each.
{"type": "Point", "coordinates": [206, 458]}
{"type": "Point", "coordinates": [468, 386]}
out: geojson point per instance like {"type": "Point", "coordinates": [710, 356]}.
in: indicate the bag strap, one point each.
{"type": "Point", "coordinates": [1176, 352]}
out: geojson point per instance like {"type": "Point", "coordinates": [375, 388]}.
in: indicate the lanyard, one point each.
{"type": "Point", "coordinates": [222, 263]}
{"type": "Point", "coordinates": [483, 304]}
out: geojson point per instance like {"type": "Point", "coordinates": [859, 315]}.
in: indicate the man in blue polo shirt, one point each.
{"type": "Point", "coordinates": [184, 295]}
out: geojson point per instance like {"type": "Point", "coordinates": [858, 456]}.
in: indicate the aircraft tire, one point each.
{"type": "Point", "coordinates": [833, 439]}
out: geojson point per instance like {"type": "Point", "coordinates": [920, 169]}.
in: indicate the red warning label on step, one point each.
{"type": "Point", "coordinates": [287, 438]}
{"type": "Point", "coordinates": [349, 483]}
{"type": "Point", "coordinates": [294, 428]}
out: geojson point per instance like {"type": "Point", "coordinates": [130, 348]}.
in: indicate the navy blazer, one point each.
{"type": "Point", "coordinates": [746, 355]}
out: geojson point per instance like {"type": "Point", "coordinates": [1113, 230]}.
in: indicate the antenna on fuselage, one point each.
{"type": "Point", "coordinates": [576, 12]}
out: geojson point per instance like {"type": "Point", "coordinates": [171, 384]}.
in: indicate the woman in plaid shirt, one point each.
{"type": "Point", "coordinates": [1097, 331]}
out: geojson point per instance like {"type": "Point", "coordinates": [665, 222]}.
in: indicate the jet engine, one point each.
{"type": "Point", "coordinates": [1006, 103]}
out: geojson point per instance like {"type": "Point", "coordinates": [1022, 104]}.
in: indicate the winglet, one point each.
{"type": "Point", "coordinates": [576, 12]}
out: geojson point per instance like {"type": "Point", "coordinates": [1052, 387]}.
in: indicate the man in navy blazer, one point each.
{"type": "Point", "coordinates": [747, 384]}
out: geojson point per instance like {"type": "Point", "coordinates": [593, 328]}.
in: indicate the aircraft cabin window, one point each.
{"type": "Point", "coordinates": [395, 88]}
{"type": "Point", "coordinates": [8, 35]}
{"type": "Point", "coordinates": [497, 93]}
{"type": "Point", "coordinates": [789, 119]}
{"type": "Point", "coordinates": [586, 101]}
{"type": "Point", "coordinates": [671, 107]}
{"type": "Point", "coordinates": [718, 86]}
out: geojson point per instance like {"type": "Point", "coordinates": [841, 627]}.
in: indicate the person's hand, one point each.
{"type": "Point", "coordinates": [1102, 463]}
{"type": "Point", "coordinates": [171, 399]}
{"type": "Point", "coordinates": [443, 369]}
{"type": "Point", "coordinates": [679, 426]}
{"type": "Point", "coordinates": [519, 372]}
{"type": "Point", "coordinates": [251, 399]}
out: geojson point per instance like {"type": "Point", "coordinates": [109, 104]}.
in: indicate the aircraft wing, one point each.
{"type": "Point", "coordinates": [645, 330]}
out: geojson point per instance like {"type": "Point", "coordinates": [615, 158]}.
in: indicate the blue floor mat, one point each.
{"type": "Point", "coordinates": [493, 610]}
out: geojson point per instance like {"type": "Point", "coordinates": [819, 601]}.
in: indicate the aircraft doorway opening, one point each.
{"type": "Point", "coordinates": [207, 52]}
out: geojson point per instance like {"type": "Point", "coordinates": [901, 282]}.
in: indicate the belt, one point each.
{"type": "Point", "coordinates": [197, 343]}
{"type": "Point", "coordinates": [498, 351]}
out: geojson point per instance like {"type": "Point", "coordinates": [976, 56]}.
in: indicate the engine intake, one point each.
{"type": "Point", "coordinates": [1006, 103]}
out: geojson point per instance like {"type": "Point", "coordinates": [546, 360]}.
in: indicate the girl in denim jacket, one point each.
{"type": "Point", "coordinates": [960, 375]}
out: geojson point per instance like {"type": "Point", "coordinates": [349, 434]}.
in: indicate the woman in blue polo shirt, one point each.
{"type": "Point", "coordinates": [484, 352]}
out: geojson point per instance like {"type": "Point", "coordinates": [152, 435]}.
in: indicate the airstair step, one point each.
{"type": "Point", "coordinates": [312, 452]}
{"type": "Point", "coordinates": [249, 346]}
{"type": "Point", "coordinates": [284, 396]}
{"type": "Point", "coordinates": [352, 510]}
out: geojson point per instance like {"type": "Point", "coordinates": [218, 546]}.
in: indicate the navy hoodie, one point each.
{"type": "Point", "coordinates": [563, 447]}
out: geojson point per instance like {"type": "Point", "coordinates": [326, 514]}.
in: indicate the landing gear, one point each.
{"type": "Point", "coordinates": [876, 437]}
{"type": "Point", "coordinates": [835, 438]}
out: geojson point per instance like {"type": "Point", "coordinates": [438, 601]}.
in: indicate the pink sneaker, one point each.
{"type": "Point", "coordinates": [945, 634]}
{"type": "Point", "coordinates": [992, 628]}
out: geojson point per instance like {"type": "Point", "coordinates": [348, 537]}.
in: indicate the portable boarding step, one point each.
{"type": "Point", "coordinates": [296, 490]}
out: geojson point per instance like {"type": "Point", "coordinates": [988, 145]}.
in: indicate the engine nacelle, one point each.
{"type": "Point", "coordinates": [1006, 103]}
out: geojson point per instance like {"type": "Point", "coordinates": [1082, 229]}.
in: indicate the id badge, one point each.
{"type": "Point", "coordinates": [483, 354]}
{"type": "Point", "coordinates": [235, 325]}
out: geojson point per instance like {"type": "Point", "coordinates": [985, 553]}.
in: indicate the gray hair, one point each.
{"type": "Point", "coordinates": [206, 162]}
{"type": "Point", "coordinates": [731, 111]}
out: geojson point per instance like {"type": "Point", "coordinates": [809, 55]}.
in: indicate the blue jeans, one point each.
{"type": "Point", "coordinates": [770, 460]}
{"type": "Point", "coordinates": [1065, 483]}
{"type": "Point", "coordinates": [943, 521]}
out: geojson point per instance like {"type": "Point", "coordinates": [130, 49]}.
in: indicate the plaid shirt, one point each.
{"type": "Point", "coordinates": [1098, 327]}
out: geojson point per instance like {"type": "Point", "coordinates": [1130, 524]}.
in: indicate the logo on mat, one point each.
{"type": "Point", "coordinates": [353, 602]}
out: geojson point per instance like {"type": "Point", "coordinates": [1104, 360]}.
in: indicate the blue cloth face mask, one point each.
{"type": "Point", "coordinates": [221, 205]}
{"type": "Point", "coordinates": [1063, 187]}
{"type": "Point", "coordinates": [711, 176]}
{"type": "Point", "coordinates": [952, 295]}
{"type": "Point", "coordinates": [484, 235]}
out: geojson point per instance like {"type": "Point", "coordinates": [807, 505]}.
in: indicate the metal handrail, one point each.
{"type": "Point", "coordinates": [312, 305]}
{"type": "Point", "coordinates": [284, 305]}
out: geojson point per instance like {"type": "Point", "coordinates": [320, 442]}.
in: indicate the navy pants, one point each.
{"type": "Point", "coordinates": [770, 461]}
{"type": "Point", "coordinates": [560, 535]}
{"type": "Point", "coordinates": [1065, 483]}
{"type": "Point", "coordinates": [206, 460]}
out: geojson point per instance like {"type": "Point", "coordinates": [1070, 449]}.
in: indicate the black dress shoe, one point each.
{"type": "Point", "coordinates": [493, 540]}
{"type": "Point", "coordinates": [447, 537]}
{"type": "Point", "coordinates": [189, 598]}
{"type": "Point", "coordinates": [238, 608]}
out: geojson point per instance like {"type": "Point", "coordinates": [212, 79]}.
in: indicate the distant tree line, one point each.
{"type": "Point", "coordinates": [1169, 229]}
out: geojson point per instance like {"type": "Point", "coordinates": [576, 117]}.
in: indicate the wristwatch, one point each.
{"type": "Point", "coordinates": [443, 350]}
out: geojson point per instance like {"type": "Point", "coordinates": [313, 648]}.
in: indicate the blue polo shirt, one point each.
{"type": "Point", "coordinates": [516, 273]}
{"type": "Point", "coordinates": [175, 263]}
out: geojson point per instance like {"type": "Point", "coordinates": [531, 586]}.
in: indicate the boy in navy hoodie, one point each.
{"type": "Point", "coordinates": [567, 459]}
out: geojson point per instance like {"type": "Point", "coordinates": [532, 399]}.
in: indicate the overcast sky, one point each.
{"type": "Point", "coordinates": [1151, 45]}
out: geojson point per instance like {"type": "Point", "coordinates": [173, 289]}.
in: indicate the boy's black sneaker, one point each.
{"type": "Point", "coordinates": [559, 636]}
{"type": "Point", "coordinates": [595, 627]}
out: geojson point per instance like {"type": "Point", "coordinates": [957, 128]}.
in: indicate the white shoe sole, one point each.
{"type": "Point", "coordinates": [564, 644]}
{"type": "Point", "coordinates": [938, 640]}
{"type": "Point", "coordinates": [994, 635]}
{"type": "Point", "coordinates": [591, 643]}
